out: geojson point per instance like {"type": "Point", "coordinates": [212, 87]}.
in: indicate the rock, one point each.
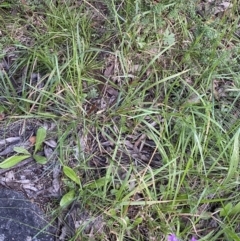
{"type": "Point", "coordinates": [21, 219]}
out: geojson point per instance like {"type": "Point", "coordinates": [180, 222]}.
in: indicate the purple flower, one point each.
{"type": "Point", "coordinates": [172, 237]}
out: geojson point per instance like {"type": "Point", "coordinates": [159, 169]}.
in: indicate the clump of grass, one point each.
{"type": "Point", "coordinates": [150, 103]}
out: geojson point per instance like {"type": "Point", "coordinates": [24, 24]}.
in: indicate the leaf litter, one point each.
{"type": "Point", "coordinates": [28, 175]}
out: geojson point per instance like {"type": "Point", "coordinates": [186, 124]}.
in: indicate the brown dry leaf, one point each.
{"type": "Point", "coordinates": [135, 68]}
{"type": "Point", "coordinates": [10, 148]}
{"type": "Point", "coordinates": [48, 152]}
{"type": "Point", "coordinates": [32, 140]}
{"type": "Point", "coordinates": [83, 141]}
{"type": "Point", "coordinates": [9, 140]}
{"type": "Point", "coordinates": [109, 70]}
{"type": "Point", "coordinates": [112, 91]}
{"type": "Point", "coordinates": [55, 182]}
{"type": "Point", "coordinates": [225, 5]}
{"type": "Point", "coordinates": [56, 185]}
{"type": "Point", "coordinates": [29, 186]}
{"type": "Point", "coordinates": [2, 116]}
{"type": "Point", "coordinates": [51, 143]}
{"type": "Point", "coordinates": [24, 2]}
{"type": "Point", "coordinates": [194, 99]}
{"type": "Point", "coordinates": [222, 7]}
{"type": "Point", "coordinates": [9, 176]}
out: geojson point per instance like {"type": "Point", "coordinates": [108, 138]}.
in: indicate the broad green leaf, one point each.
{"type": "Point", "coordinates": [229, 234]}
{"type": "Point", "coordinates": [21, 150]}
{"type": "Point", "coordinates": [98, 183]}
{"type": "Point", "coordinates": [5, 5]}
{"type": "Point", "coordinates": [226, 210]}
{"type": "Point", "coordinates": [12, 161]}
{"type": "Point", "coordinates": [234, 161]}
{"type": "Point", "coordinates": [69, 172]}
{"type": "Point", "coordinates": [235, 210]}
{"type": "Point", "coordinates": [67, 198]}
{"type": "Point", "coordinates": [1, 109]}
{"type": "Point", "coordinates": [40, 137]}
{"type": "Point", "coordinates": [112, 212]}
{"type": "Point", "coordinates": [40, 159]}
{"type": "Point", "coordinates": [137, 221]}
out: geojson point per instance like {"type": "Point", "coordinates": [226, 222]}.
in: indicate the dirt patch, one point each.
{"type": "Point", "coordinates": [37, 181]}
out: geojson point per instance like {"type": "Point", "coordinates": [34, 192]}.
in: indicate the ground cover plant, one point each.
{"type": "Point", "coordinates": [140, 103]}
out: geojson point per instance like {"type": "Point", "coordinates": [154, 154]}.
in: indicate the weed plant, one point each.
{"type": "Point", "coordinates": [146, 98]}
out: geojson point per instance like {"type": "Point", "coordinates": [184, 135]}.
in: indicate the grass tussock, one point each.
{"type": "Point", "coordinates": [145, 96]}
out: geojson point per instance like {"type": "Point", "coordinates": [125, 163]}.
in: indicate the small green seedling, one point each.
{"type": "Point", "coordinates": [69, 172]}
{"type": "Point", "coordinates": [23, 153]}
{"type": "Point", "coordinates": [12, 161]}
{"type": "Point", "coordinates": [69, 197]}
{"type": "Point", "coordinates": [230, 210]}
{"type": "Point", "coordinates": [40, 138]}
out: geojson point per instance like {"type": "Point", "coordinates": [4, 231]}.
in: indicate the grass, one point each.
{"type": "Point", "coordinates": [145, 95]}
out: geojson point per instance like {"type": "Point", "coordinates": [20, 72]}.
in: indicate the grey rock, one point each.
{"type": "Point", "coordinates": [21, 219]}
